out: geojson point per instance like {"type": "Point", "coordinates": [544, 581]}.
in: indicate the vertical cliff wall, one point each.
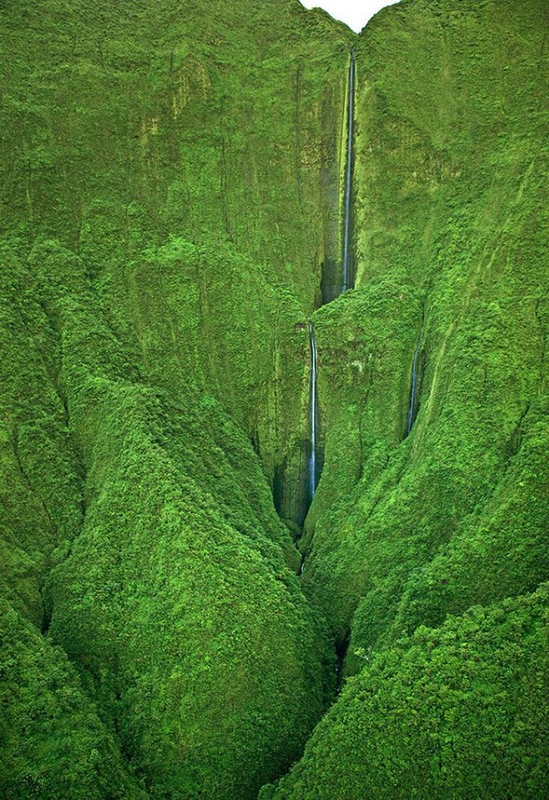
{"type": "Point", "coordinates": [171, 191]}
{"type": "Point", "coordinates": [451, 221]}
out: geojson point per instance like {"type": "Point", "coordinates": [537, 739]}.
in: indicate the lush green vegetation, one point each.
{"type": "Point", "coordinates": [452, 221]}
{"type": "Point", "coordinates": [451, 189]}
{"type": "Point", "coordinates": [459, 711]}
{"type": "Point", "coordinates": [170, 203]}
{"type": "Point", "coordinates": [166, 176]}
{"type": "Point", "coordinates": [53, 741]}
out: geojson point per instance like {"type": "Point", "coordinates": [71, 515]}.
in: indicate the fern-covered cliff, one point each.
{"type": "Point", "coordinates": [171, 197]}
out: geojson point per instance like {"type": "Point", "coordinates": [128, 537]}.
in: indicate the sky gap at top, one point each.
{"type": "Point", "coordinates": [355, 13]}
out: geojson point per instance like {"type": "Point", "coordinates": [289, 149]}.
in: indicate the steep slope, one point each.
{"type": "Point", "coordinates": [52, 740]}
{"type": "Point", "coordinates": [167, 174]}
{"type": "Point", "coordinates": [171, 180]}
{"type": "Point", "coordinates": [460, 711]}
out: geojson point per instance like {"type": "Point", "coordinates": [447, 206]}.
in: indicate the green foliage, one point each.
{"type": "Point", "coordinates": [459, 711]}
{"type": "Point", "coordinates": [176, 593]}
{"type": "Point", "coordinates": [40, 487]}
{"type": "Point", "coordinates": [160, 199]}
{"type": "Point", "coordinates": [171, 189]}
{"type": "Point", "coordinates": [451, 181]}
{"type": "Point", "coordinates": [52, 742]}
{"type": "Point", "coordinates": [451, 213]}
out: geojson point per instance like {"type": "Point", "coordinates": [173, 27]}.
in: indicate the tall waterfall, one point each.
{"type": "Point", "coordinates": [413, 389]}
{"type": "Point", "coordinates": [349, 176]}
{"type": "Point", "coordinates": [347, 280]}
{"type": "Point", "coordinates": [313, 414]}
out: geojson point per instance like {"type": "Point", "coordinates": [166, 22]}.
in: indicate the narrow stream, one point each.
{"type": "Point", "coordinates": [346, 283]}
{"type": "Point", "coordinates": [347, 276]}
{"type": "Point", "coordinates": [313, 415]}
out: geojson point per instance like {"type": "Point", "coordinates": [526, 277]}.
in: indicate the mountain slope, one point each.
{"type": "Point", "coordinates": [408, 530]}
{"type": "Point", "coordinates": [452, 246]}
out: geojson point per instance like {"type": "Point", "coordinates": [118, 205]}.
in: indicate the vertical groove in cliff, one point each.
{"type": "Point", "coordinates": [413, 401]}
{"type": "Point", "coordinates": [313, 415]}
{"type": "Point", "coordinates": [347, 214]}
{"type": "Point", "coordinates": [347, 280]}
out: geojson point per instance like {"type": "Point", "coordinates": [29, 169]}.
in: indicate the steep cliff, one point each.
{"type": "Point", "coordinates": [451, 241]}
{"type": "Point", "coordinates": [169, 176]}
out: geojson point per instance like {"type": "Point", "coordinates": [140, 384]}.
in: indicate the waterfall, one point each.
{"type": "Point", "coordinates": [413, 389]}
{"type": "Point", "coordinates": [347, 279]}
{"type": "Point", "coordinates": [348, 174]}
{"type": "Point", "coordinates": [313, 413]}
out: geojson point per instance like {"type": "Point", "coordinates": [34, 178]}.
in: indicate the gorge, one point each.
{"type": "Point", "coordinates": [273, 291]}
{"type": "Point", "coordinates": [346, 266]}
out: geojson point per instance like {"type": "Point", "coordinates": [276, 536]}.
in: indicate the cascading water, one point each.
{"type": "Point", "coordinates": [412, 409]}
{"type": "Point", "coordinates": [347, 229]}
{"type": "Point", "coordinates": [313, 415]}
{"type": "Point", "coordinates": [348, 177]}
{"type": "Point", "coordinates": [314, 468]}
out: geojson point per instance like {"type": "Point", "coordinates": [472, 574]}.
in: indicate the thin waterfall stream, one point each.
{"type": "Point", "coordinates": [313, 414]}
{"type": "Point", "coordinates": [313, 468]}
{"type": "Point", "coordinates": [314, 465]}
{"type": "Point", "coordinates": [349, 176]}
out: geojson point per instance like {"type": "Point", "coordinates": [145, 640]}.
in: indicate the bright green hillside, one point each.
{"type": "Point", "coordinates": [452, 226]}
{"type": "Point", "coordinates": [171, 190]}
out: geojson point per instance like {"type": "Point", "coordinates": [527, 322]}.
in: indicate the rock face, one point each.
{"type": "Point", "coordinates": [410, 531]}
{"type": "Point", "coordinates": [173, 182]}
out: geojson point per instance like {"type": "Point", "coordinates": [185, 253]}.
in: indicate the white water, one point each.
{"type": "Point", "coordinates": [312, 413]}
{"type": "Point", "coordinates": [348, 173]}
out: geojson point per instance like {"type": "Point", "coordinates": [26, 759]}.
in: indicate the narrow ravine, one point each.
{"type": "Point", "coordinates": [347, 228]}
{"type": "Point", "coordinates": [313, 416]}
{"type": "Point", "coordinates": [346, 282]}
{"type": "Point", "coordinates": [346, 277]}
{"type": "Point", "coordinates": [314, 467]}
{"type": "Point", "coordinates": [412, 405]}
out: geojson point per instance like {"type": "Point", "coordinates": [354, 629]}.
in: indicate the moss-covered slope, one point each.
{"type": "Point", "coordinates": [451, 240]}
{"type": "Point", "coordinates": [170, 209]}
{"type": "Point", "coordinates": [460, 711]}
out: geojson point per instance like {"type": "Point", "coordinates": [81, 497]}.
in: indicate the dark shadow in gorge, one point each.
{"type": "Point", "coordinates": [341, 648]}
{"type": "Point", "coordinates": [292, 498]}
{"type": "Point", "coordinates": [291, 495]}
{"type": "Point", "coordinates": [419, 363]}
